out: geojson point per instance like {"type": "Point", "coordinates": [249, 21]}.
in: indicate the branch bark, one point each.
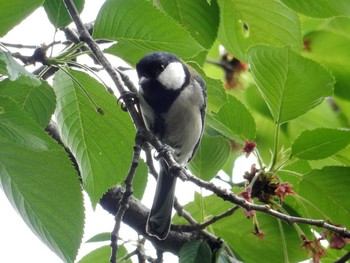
{"type": "Point", "coordinates": [136, 216]}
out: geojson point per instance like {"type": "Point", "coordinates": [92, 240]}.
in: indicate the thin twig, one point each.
{"type": "Point", "coordinates": [125, 199]}
{"type": "Point", "coordinates": [19, 46]}
{"type": "Point", "coordinates": [195, 226]}
{"type": "Point", "coordinates": [231, 197]}
{"type": "Point", "coordinates": [344, 258]}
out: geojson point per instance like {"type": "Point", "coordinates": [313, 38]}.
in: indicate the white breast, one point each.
{"type": "Point", "coordinates": [184, 123]}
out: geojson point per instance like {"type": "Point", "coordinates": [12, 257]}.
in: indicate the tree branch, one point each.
{"type": "Point", "coordinates": [125, 199]}
{"type": "Point", "coordinates": [231, 197]}
{"type": "Point", "coordinates": [136, 216]}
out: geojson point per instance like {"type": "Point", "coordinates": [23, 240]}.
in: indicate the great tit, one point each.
{"type": "Point", "coordinates": [172, 99]}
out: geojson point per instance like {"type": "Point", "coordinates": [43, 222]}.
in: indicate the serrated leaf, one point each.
{"type": "Point", "coordinates": [234, 121]}
{"type": "Point", "coordinates": [38, 101]}
{"type": "Point", "coordinates": [44, 188]}
{"type": "Point", "coordinates": [248, 22]}
{"type": "Point", "coordinates": [202, 24]}
{"type": "Point", "coordinates": [14, 71]}
{"type": "Point", "coordinates": [13, 12]}
{"type": "Point", "coordinates": [195, 252]}
{"type": "Point", "coordinates": [290, 84]}
{"type": "Point", "coordinates": [57, 13]}
{"type": "Point", "coordinates": [210, 157]}
{"type": "Point", "coordinates": [329, 47]}
{"type": "Point", "coordinates": [102, 254]}
{"type": "Point", "coordinates": [139, 28]}
{"type": "Point", "coordinates": [320, 143]}
{"type": "Point", "coordinates": [102, 144]}
{"type": "Point", "coordinates": [320, 8]}
{"type": "Point", "coordinates": [327, 194]}
{"type": "Point", "coordinates": [17, 128]}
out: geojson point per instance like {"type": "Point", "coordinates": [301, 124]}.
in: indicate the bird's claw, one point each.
{"type": "Point", "coordinates": [162, 150]}
{"type": "Point", "coordinates": [127, 96]}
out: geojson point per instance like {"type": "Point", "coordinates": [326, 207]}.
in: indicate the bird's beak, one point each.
{"type": "Point", "coordinates": [143, 80]}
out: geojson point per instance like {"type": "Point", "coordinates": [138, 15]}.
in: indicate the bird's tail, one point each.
{"type": "Point", "coordinates": [159, 219]}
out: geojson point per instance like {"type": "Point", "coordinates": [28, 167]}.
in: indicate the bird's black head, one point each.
{"type": "Point", "coordinates": [162, 76]}
{"type": "Point", "coordinates": [151, 65]}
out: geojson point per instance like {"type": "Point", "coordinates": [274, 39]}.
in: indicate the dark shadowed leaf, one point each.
{"type": "Point", "coordinates": [195, 252]}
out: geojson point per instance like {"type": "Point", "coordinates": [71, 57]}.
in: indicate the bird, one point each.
{"type": "Point", "coordinates": [172, 98]}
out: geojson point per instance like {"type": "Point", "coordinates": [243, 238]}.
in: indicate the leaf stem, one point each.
{"type": "Point", "coordinates": [275, 149]}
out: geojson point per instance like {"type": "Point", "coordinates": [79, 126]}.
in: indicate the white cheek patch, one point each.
{"type": "Point", "coordinates": [173, 76]}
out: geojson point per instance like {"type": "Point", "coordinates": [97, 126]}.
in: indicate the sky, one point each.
{"type": "Point", "coordinates": [17, 242]}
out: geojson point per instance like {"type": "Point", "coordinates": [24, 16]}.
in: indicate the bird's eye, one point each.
{"type": "Point", "coordinates": [161, 67]}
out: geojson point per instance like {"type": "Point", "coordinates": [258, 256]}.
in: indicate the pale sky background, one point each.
{"type": "Point", "coordinates": [17, 242]}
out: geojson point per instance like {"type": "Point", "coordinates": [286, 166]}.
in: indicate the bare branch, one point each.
{"type": "Point", "coordinates": [125, 199]}
{"type": "Point", "coordinates": [344, 258]}
{"type": "Point", "coordinates": [231, 197]}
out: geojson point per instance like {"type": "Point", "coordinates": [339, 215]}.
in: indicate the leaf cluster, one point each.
{"type": "Point", "coordinates": [289, 102]}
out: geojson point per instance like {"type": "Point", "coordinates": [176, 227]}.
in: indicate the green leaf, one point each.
{"type": "Point", "coordinates": [106, 236]}
{"type": "Point", "coordinates": [13, 12]}
{"type": "Point", "coordinates": [140, 28]}
{"type": "Point", "coordinates": [248, 22]}
{"type": "Point", "coordinates": [215, 89]}
{"type": "Point", "coordinates": [57, 12]}
{"type": "Point", "coordinates": [210, 157]}
{"type": "Point", "coordinates": [234, 121]}
{"type": "Point", "coordinates": [327, 194]}
{"type": "Point", "coordinates": [102, 255]}
{"type": "Point", "coordinates": [320, 143]}
{"type": "Point", "coordinates": [44, 188]}
{"type": "Point", "coordinates": [140, 180]}
{"type": "Point", "coordinates": [225, 255]}
{"type": "Point", "coordinates": [38, 101]}
{"type": "Point", "coordinates": [202, 24]}
{"type": "Point", "coordinates": [320, 8]}
{"type": "Point", "coordinates": [255, 101]}
{"type": "Point", "coordinates": [215, 93]}
{"type": "Point", "coordinates": [102, 144]}
{"type": "Point", "coordinates": [322, 116]}
{"type": "Point", "coordinates": [290, 84]}
{"type": "Point", "coordinates": [14, 71]}
{"type": "Point", "coordinates": [195, 252]}
{"type": "Point", "coordinates": [17, 128]}
{"type": "Point", "coordinates": [330, 48]}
